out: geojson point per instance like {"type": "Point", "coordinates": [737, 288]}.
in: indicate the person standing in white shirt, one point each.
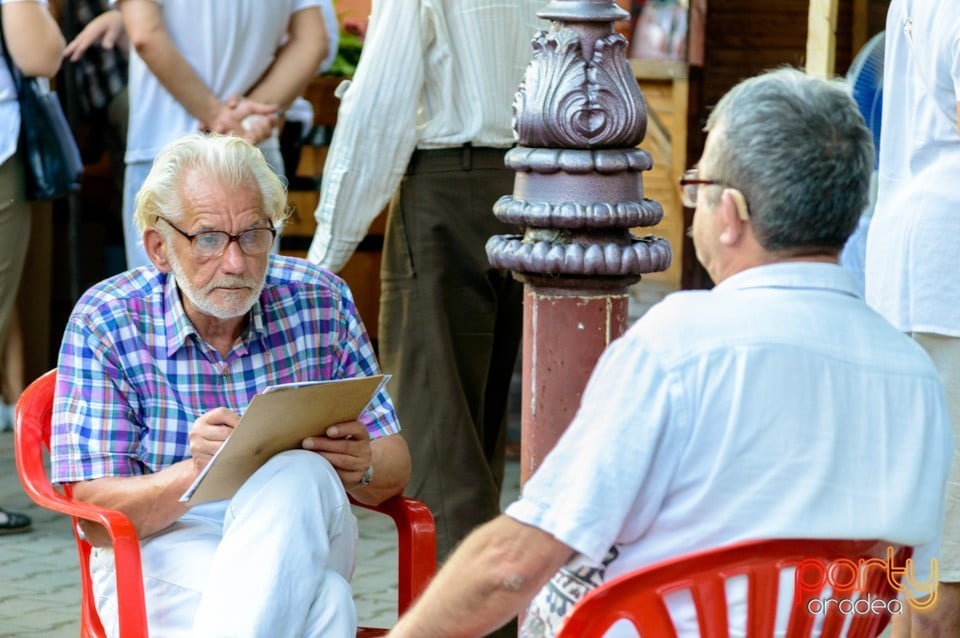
{"type": "Point", "coordinates": [228, 66]}
{"type": "Point", "coordinates": [777, 405]}
{"type": "Point", "coordinates": [429, 110]}
{"type": "Point", "coordinates": [911, 261]}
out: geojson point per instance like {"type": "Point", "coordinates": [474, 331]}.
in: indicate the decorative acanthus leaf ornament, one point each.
{"type": "Point", "coordinates": [570, 101]}
{"type": "Point", "coordinates": [579, 115]}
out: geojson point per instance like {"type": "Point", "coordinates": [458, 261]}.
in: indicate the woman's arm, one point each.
{"type": "Point", "coordinates": [105, 30]}
{"type": "Point", "coordinates": [33, 38]}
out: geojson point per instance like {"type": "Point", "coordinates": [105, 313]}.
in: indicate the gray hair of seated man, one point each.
{"type": "Point", "coordinates": [228, 159]}
{"type": "Point", "coordinates": [801, 153]}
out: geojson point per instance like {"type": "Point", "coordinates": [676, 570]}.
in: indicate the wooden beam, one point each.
{"type": "Point", "coordinates": [696, 32]}
{"type": "Point", "coordinates": [658, 69]}
{"type": "Point", "coordinates": [861, 26]}
{"type": "Point", "coordinates": [822, 38]}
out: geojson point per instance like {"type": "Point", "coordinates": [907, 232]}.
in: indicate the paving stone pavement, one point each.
{"type": "Point", "coordinates": [39, 577]}
{"type": "Point", "coordinates": [39, 572]}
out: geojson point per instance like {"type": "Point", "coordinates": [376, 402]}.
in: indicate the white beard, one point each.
{"type": "Point", "coordinates": [234, 305]}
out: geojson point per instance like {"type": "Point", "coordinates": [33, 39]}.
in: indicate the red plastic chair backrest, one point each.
{"type": "Point", "coordinates": [416, 533]}
{"type": "Point", "coordinates": [639, 596]}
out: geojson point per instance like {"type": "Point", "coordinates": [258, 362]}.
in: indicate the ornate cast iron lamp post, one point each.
{"type": "Point", "coordinates": [579, 116]}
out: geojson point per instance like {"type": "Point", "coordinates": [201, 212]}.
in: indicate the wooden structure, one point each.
{"type": "Point", "coordinates": [665, 88]}
{"type": "Point", "coordinates": [741, 38]}
{"type": "Point", "coordinates": [822, 37]}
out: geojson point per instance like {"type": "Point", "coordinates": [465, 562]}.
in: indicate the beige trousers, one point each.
{"type": "Point", "coordinates": [945, 353]}
{"type": "Point", "coordinates": [14, 237]}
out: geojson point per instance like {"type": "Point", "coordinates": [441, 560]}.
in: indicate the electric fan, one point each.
{"type": "Point", "coordinates": [865, 79]}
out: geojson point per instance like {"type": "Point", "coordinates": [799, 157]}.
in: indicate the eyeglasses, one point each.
{"type": "Point", "coordinates": [690, 185]}
{"type": "Point", "coordinates": [213, 243]}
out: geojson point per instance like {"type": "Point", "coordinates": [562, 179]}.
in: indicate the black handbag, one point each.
{"type": "Point", "coordinates": [51, 159]}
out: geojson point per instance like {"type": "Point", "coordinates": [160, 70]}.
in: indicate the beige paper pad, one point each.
{"type": "Point", "coordinates": [277, 420]}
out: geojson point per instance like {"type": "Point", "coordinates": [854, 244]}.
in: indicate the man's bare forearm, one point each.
{"type": "Point", "coordinates": [486, 582]}
{"type": "Point", "coordinates": [151, 501]}
{"type": "Point", "coordinates": [143, 20]}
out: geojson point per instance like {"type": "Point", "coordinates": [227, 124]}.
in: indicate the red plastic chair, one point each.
{"type": "Point", "coordinates": [415, 527]}
{"type": "Point", "coordinates": [639, 596]}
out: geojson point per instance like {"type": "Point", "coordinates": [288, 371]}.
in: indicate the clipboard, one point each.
{"type": "Point", "coordinates": [278, 419]}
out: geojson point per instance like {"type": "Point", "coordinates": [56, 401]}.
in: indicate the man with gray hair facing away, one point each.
{"type": "Point", "coordinates": [776, 405]}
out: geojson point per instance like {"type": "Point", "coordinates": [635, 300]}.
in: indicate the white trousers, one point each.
{"type": "Point", "coordinates": [275, 560]}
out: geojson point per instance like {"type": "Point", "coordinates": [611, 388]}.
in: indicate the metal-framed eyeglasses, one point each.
{"type": "Point", "coordinates": [213, 243]}
{"type": "Point", "coordinates": [690, 185]}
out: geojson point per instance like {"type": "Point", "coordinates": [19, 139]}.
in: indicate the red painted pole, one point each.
{"type": "Point", "coordinates": [564, 334]}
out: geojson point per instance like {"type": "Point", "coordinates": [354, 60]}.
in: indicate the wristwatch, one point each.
{"type": "Point", "coordinates": [367, 477]}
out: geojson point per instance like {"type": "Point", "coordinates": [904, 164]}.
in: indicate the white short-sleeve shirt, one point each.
{"type": "Point", "coordinates": [777, 405]}
{"type": "Point", "coordinates": [229, 43]}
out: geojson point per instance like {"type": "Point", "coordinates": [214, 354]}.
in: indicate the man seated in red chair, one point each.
{"type": "Point", "coordinates": [155, 366]}
{"type": "Point", "coordinates": [776, 405]}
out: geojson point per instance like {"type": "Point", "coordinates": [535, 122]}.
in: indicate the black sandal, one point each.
{"type": "Point", "coordinates": [15, 523]}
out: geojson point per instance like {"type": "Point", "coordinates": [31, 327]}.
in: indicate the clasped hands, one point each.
{"type": "Point", "coordinates": [346, 445]}
{"type": "Point", "coordinates": [253, 121]}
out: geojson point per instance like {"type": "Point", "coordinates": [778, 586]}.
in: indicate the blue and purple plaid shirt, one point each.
{"type": "Point", "coordinates": [134, 375]}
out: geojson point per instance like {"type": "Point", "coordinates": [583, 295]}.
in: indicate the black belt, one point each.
{"type": "Point", "coordinates": [465, 157]}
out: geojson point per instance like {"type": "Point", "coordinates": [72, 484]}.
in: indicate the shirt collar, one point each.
{"type": "Point", "coordinates": [794, 274]}
{"type": "Point", "coordinates": [179, 327]}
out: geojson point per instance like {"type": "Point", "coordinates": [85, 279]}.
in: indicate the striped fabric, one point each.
{"type": "Point", "coordinates": [134, 375]}
{"type": "Point", "coordinates": [433, 74]}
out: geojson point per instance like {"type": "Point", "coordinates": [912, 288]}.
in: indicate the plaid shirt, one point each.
{"type": "Point", "coordinates": [134, 375]}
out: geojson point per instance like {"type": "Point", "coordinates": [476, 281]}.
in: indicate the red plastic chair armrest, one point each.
{"type": "Point", "coordinates": [126, 555]}
{"type": "Point", "coordinates": [416, 545]}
